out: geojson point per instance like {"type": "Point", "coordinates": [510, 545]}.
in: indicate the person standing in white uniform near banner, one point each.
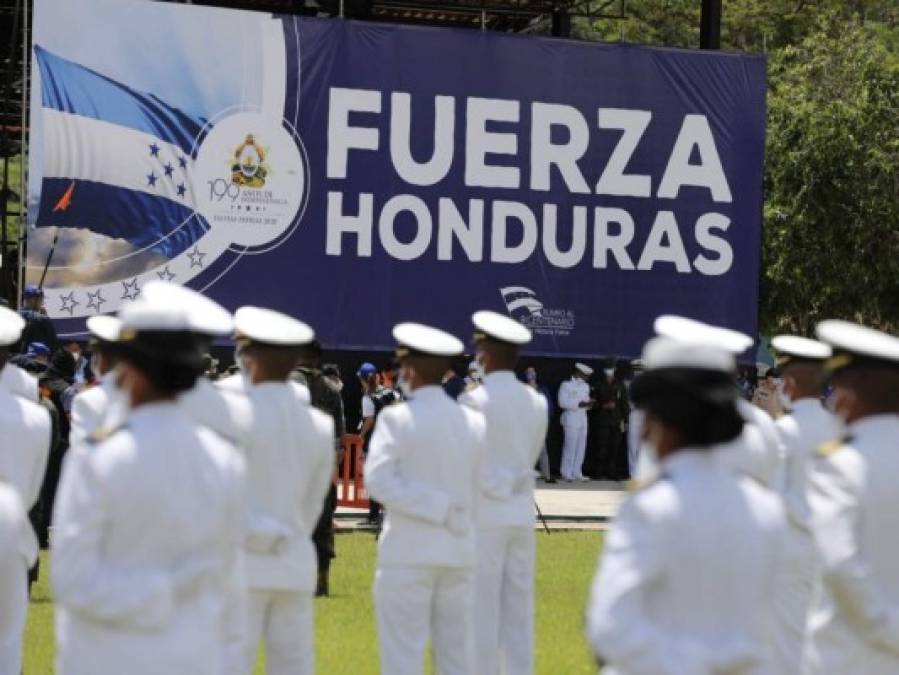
{"type": "Point", "coordinates": [855, 509]}
{"type": "Point", "coordinates": [26, 426]}
{"type": "Point", "coordinates": [289, 468]}
{"type": "Point", "coordinates": [103, 404]}
{"type": "Point", "coordinates": [574, 400]}
{"type": "Point", "coordinates": [757, 452]}
{"type": "Point", "coordinates": [689, 565]}
{"type": "Point", "coordinates": [807, 426]}
{"type": "Point", "coordinates": [148, 521]}
{"type": "Point", "coordinates": [423, 465]}
{"type": "Point", "coordinates": [516, 428]}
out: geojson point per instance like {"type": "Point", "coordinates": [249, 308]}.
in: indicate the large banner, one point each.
{"type": "Point", "coordinates": [358, 174]}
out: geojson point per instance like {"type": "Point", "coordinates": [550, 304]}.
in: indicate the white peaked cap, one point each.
{"type": "Point", "coordinates": [664, 352]}
{"type": "Point", "coordinates": [585, 369]}
{"type": "Point", "coordinates": [855, 339]}
{"type": "Point", "coordinates": [500, 327]}
{"type": "Point", "coordinates": [11, 326]}
{"type": "Point", "coordinates": [801, 348]}
{"type": "Point", "coordinates": [427, 340]}
{"type": "Point", "coordinates": [164, 306]}
{"type": "Point", "coordinates": [697, 332]}
{"type": "Point", "coordinates": [270, 327]}
{"type": "Point", "coordinates": [104, 327]}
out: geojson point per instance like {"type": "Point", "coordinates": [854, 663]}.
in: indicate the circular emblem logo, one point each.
{"type": "Point", "coordinates": [250, 178]}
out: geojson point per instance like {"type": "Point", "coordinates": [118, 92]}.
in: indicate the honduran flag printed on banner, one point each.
{"type": "Point", "coordinates": [117, 162]}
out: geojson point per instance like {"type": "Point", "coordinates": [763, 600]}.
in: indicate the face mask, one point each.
{"type": "Point", "coordinates": [404, 387]}
{"type": "Point", "coordinates": [609, 372]}
{"type": "Point", "coordinates": [785, 401]}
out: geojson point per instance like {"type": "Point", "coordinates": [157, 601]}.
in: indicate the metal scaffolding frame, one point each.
{"type": "Point", "coordinates": [13, 130]}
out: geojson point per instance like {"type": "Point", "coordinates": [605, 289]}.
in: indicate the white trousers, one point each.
{"type": "Point", "coordinates": [544, 463]}
{"type": "Point", "coordinates": [284, 620]}
{"type": "Point", "coordinates": [504, 601]}
{"type": "Point", "coordinates": [793, 601]}
{"type": "Point", "coordinates": [417, 603]}
{"type": "Point", "coordinates": [574, 449]}
{"type": "Point", "coordinates": [13, 609]}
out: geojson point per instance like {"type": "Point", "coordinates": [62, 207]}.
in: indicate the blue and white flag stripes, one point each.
{"type": "Point", "coordinates": [117, 162]}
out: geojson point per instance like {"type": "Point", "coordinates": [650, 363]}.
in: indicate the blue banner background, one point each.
{"type": "Point", "coordinates": [353, 301]}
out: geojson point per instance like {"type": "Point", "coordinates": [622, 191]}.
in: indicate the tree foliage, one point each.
{"type": "Point", "coordinates": [831, 240]}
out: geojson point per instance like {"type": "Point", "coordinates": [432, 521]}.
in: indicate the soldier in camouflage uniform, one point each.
{"type": "Point", "coordinates": [324, 395]}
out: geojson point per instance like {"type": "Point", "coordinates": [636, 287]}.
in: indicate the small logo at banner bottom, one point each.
{"type": "Point", "coordinates": [524, 306]}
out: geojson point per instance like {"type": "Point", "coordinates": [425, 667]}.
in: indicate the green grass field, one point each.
{"type": "Point", "coordinates": [345, 633]}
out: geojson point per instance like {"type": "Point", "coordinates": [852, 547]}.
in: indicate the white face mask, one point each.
{"type": "Point", "coordinates": [785, 401]}
{"type": "Point", "coordinates": [403, 385]}
{"type": "Point", "coordinates": [609, 372]}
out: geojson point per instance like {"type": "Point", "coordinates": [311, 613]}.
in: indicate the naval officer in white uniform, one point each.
{"type": "Point", "coordinates": [13, 379]}
{"type": "Point", "coordinates": [25, 436]}
{"type": "Point", "coordinates": [758, 451]}
{"type": "Point", "coordinates": [516, 429]}
{"type": "Point", "coordinates": [424, 465]}
{"type": "Point", "coordinates": [688, 568]}
{"type": "Point", "coordinates": [575, 401]}
{"type": "Point", "coordinates": [289, 469]}
{"type": "Point", "coordinates": [149, 519]}
{"type": "Point", "coordinates": [102, 404]}
{"type": "Point", "coordinates": [807, 426]}
{"type": "Point", "coordinates": [855, 509]}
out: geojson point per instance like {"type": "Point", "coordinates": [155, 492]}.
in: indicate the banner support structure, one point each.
{"type": "Point", "coordinates": [710, 25]}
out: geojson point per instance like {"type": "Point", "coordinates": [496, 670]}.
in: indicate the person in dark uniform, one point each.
{"type": "Point", "coordinates": [53, 385]}
{"type": "Point", "coordinates": [38, 326]}
{"type": "Point", "coordinates": [324, 395]}
{"type": "Point", "coordinates": [452, 383]}
{"type": "Point", "coordinates": [609, 415]}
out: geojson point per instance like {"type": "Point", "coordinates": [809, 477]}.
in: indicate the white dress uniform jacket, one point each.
{"type": "Point", "coordinates": [226, 412]}
{"type": "Point", "coordinates": [686, 574]}
{"type": "Point", "coordinates": [18, 551]}
{"type": "Point", "coordinates": [289, 470]}
{"type": "Point", "coordinates": [516, 419]}
{"type": "Point", "coordinates": [855, 507]}
{"type": "Point", "coordinates": [100, 407]}
{"type": "Point", "coordinates": [424, 463]}
{"type": "Point", "coordinates": [807, 427]}
{"type": "Point", "coordinates": [19, 382]}
{"type": "Point", "coordinates": [758, 452]}
{"type": "Point", "coordinates": [572, 393]}
{"type": "Point", "coordinates": [148, 523]}
{"type": "Point", "coordinates": [26, 429]}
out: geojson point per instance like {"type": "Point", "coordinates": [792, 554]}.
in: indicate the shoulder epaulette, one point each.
{"type": "Point", "coordinates": [101, 434]}
{"type": "Point", "coordinates": [830, 447]}
{"type": "Point", "coordinates": [636, 485]}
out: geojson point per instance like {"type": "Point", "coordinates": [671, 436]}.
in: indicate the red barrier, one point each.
{"type": "Point", "coordinates": [350, 484]}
